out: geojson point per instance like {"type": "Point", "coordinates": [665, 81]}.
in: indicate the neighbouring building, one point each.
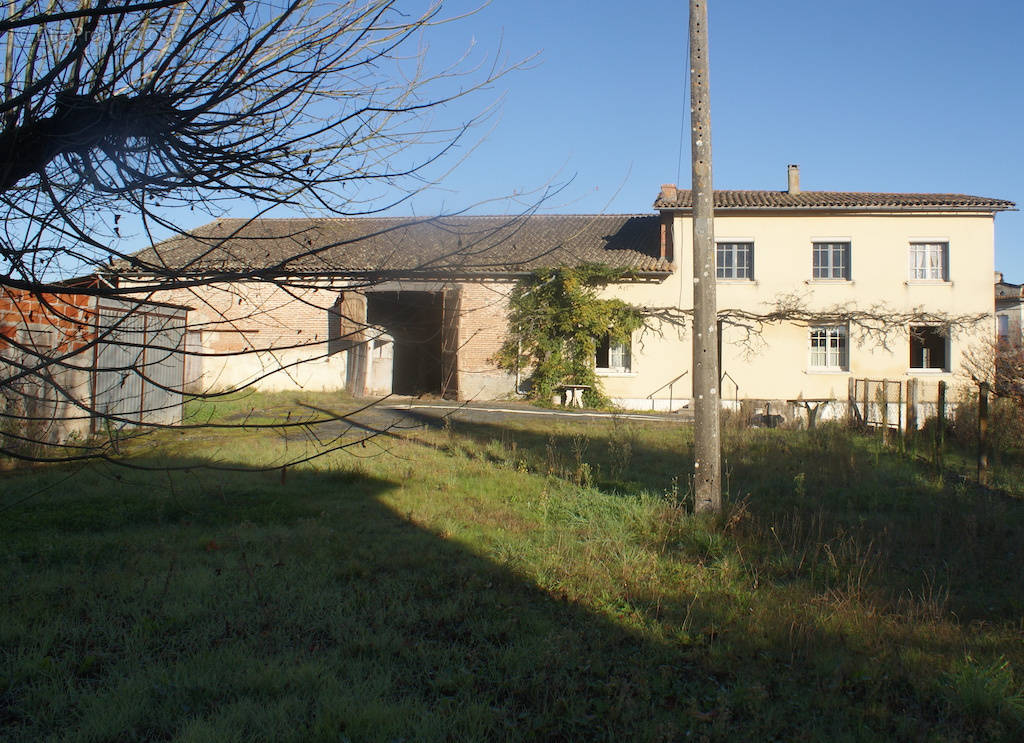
{"type": "Point", "coordinates": [1009, 312]}
{"type": "Point", "coordinates": [814, 288]}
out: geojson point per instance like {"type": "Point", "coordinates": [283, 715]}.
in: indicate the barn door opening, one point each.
{"type": "Point", "coordinates": [415, 320]}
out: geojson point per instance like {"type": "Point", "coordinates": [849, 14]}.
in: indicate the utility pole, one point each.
{"type": "Point", "coordinates": [707, 463]}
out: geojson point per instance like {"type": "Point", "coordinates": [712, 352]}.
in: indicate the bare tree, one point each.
{"type": "Point", "coordinates": [878, 323]}
{"type": "Point", "coordinates": [116, 116]}
{"type": "Point", "coordinates": [1000, 363]}
{"type": "Point", "coordinates": [115, 110]}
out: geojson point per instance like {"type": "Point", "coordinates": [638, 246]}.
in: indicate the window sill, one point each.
{"type": "Point", "coordinates": [844, 282]}
{"type": "Point", "coordinates": [928, 372]}
{"type": "Point", "coordinates": [737, 282]}
{"type": "Point", "coordinates": [927, 282]}
{"type": "Point", "coordinates": [613, 373]}
{"type": "Point", "coordinates": [823, 370]}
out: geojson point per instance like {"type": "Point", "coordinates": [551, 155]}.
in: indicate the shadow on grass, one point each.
{"type": "Point", "coordinates": [231, 606]}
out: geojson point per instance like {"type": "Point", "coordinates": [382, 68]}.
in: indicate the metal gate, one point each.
{"type": "Point", "coordinates": [139, 368]}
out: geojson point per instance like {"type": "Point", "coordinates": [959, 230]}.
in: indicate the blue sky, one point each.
{"type": "Point", "coordinates": [871, 96]}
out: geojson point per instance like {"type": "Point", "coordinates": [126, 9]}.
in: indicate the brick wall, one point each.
{"type": "Point", "coordinates": [43, 401]}
{"type": "Point", "coordinates": [249, 316]}
{"type": "Point", "coordinates": [483, 328]}
{"type": "Point", "coordinates": [281, 335]}
{"type": "Point", "coordinates": [58, 322]}
{"type": "Point", "coordinates": [272, 337]}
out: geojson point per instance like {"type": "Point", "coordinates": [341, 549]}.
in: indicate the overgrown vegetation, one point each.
{"type": "Point", "coordinates": [556, 320]}
{"type": "Point", "coordinates": [1005, 425]}
{"type": "Point", "coordinates": [509, 580]}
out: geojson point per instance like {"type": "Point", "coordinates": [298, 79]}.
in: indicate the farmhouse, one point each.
{"type": "Point", "coordinates": [814, 289]}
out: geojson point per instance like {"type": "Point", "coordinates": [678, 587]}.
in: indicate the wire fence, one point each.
{"type": "Point", "coordinates": [919, 414]}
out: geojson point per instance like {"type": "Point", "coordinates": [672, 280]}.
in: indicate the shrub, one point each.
{"type": "Point", "coordinates": [1005, 423]}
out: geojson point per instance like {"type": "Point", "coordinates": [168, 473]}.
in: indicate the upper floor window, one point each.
{"type": "Point", "coordinates": [612, 358]}
{"type": "Point", "coordinates": [734, 260]}
{"type": "Point", "coordinates": [829, 348]}
{"type": "Point", "coordinates": [929, 261]}
{"type": "Point", "coordinates": [831, 260]}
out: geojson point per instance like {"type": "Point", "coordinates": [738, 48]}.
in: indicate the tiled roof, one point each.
{"type": "Point", "coordinates": [841, 200]}
{"type": "Point", "coordinates": [406, 245]}
{"type": "Point", "coordinates": [1006, 290]}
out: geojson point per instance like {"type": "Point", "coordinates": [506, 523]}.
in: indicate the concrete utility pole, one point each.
{"type": "Point", "coordinates": [707, 464]}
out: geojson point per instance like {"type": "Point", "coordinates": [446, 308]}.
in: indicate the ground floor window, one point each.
{"type": "Point", "coordinates": [829, 348]}
{"type": "Point", "coordinates": [612, 358]}
{"type": "Point", "coordinates": [929, 348]}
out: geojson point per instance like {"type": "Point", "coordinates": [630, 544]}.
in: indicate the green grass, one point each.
{"type": "Point", "coordinates": [508, 582]}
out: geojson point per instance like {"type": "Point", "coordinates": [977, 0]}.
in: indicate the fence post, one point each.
{"type": "Point", "coordinates": [851, 400]}
{"type": "Point", "coordinates": [899, 414]}
{"type": "Point", "coordinates": [911, 412]}
{"type": "Point", "coordinates": [866, 416]}
{"type": "Point", "coordinates": [940, 428]}
{"type": "Point", "coordinates": [885, 412]}
{"type": "Point", "coordinates": [982, 433]}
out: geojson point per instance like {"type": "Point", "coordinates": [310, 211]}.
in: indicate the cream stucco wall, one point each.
{"type": "Point", "coordinates": [774, 361]}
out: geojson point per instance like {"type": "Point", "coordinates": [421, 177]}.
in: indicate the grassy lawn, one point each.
{"type": "Point", "coordinates": [507, 581]}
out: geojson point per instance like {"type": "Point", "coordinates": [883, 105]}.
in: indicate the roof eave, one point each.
{"type": "Point", "coordinates": [966, 211]}
{"type": "Point", "coordinates": [227, 275]}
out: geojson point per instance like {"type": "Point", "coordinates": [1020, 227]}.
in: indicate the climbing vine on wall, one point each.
{"type": "Point", "coordinates": [557, 320]}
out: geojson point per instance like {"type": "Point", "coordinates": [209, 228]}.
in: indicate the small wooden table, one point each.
{"type": "Point", "coordinates": [811, 405]}
{"type": "Point", "coordinates": [572, 394]}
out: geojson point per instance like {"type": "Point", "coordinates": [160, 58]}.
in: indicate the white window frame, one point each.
{"type": "Point", "coordinates": [828, 348]}
{"type": "Point", "coordinates": [735, 248]}
{"type": "Point", "coordinates": [620, 358]}
{"type": "Point", "coordinates": [929, 260]}
{"type": "Point", "coordinates": [831, 269]}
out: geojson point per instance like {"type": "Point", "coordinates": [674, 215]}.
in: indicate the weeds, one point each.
{"type": "Point", "coordinates": [485, 582]}
{"type": "Point", "coordinates": [983, 691]}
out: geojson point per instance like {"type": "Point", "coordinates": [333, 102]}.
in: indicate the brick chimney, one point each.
{"type": "Point", "coordinates": [794, 179]}
{"type": "Point", "coordinates": [667, 244]}
{"type": "Point", "coordinates": [669, 192]}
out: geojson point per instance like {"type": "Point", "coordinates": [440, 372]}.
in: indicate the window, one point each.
{"type": "Point", "coordinates": [829, 348]}
{"type": "Point", "coordinates": [735, 260]}
{"type": "Point", "coordinates": [929, 348]}
{"type": "Point", "coordinates": [1003, 328]}
{"type": "Point", "coordinates": [928, 261]}
{"type": "Point", "coordinates": [612, 358]}
{"type": "Point", "coordinates": [831, 261]}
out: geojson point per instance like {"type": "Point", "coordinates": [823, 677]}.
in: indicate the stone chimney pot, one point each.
{"type": "Point", "coordinates": [793, 185]}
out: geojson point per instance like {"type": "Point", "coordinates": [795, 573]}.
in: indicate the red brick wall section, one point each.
{"type": "Point", "coordinates": [483, 325]}
{"type": "Point", "coordinates": [67, 320]}
{"type": "Point", "coordinates": [249, 316]}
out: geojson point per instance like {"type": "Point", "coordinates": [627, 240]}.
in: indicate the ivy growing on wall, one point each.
{"type": "Point", "coordinates": [557, 320]}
